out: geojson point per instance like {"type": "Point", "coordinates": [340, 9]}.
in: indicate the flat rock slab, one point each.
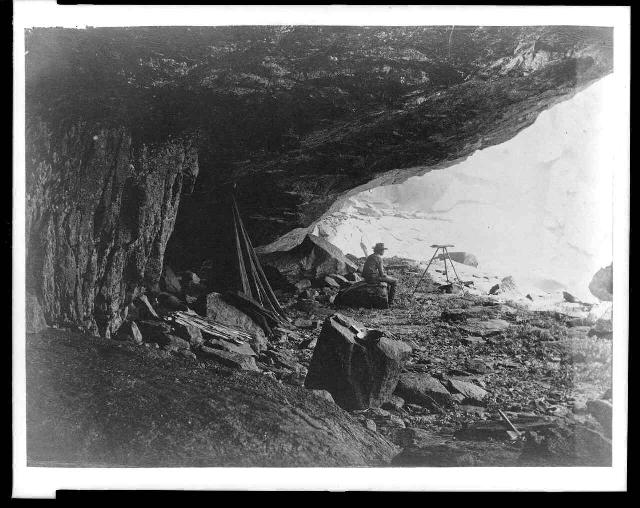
{"type": "Point", "coordinates": [282, 359]}
{"type": "Point", "coordinates": [241, 349]}
{"type": "Point", "coordinates": [222, 312]}
{"type": "Point", "coordinates": [423, 390]}
{"type": "Point", "coordinates": [472, 393]}
{"type": "Point", "coordinates": [474, 312]}
{"type": "Point", "coordinates": [486, 328]}
{"type": "Point", "coordinates": [229, 359]}
{"type": "Point", "coordinates": [497, 429]}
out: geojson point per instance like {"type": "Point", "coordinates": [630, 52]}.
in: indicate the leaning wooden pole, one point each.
{"type": "Point", "coordinates": [255, 264]}
{"type": "Point", "coordinates": [250, 281]}
{"type": "Point", "coordinates": [243, 272]}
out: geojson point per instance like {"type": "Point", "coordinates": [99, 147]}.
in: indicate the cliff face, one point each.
{"type": "Point", "coordinates": [99, 214]}
{"type": "Point", "coordinates": [297, 117]}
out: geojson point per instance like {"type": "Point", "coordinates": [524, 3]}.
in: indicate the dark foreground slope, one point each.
{"type": "Point", "coordinates": [96, 402]}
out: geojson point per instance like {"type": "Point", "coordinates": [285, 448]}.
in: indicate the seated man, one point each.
{"type": "Point", "coordinates": [373, 270]}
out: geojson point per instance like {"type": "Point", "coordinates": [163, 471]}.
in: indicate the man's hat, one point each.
{"type": "Point", "coordinates": [379, 247]}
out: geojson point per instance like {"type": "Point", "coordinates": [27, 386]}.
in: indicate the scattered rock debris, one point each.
{"type": "Point", "coordinates": [436, 375]}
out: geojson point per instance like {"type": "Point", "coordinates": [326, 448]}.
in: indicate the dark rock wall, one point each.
{"type": "Point", "coordinates": [99, 213]}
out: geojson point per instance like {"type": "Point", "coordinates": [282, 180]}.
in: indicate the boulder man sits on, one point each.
{"type": "Point", "coordinates": [373, 270]}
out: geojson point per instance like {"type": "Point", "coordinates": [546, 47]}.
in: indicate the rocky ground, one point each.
{"type": "Point", "coordinates": [540, 368]}
{"type": "Point", "coordinates": [547, 372]}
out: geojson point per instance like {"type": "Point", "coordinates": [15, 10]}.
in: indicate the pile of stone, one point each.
{"type": "Point", "coordinates": [228, 329]}
{"type": "Point", "coordinates": [307, 257]}
{"type": "Point", "coordinates": [323, 290]}
{"type": "Point", "coordinates": [186, 286]}
{"type": "Point", "coordinates": [320, 273]}
{"type": "Point", "coordinates": [439, 394]}
{"type": "Point", "coordinates": [164, 319]}
{"type": "Point", "coordinates": [185, 333]}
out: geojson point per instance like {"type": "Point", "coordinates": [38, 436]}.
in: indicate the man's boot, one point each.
{"type": "Point", "coordinates": [392, 292]}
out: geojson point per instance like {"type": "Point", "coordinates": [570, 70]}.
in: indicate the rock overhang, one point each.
{"type": "Point", "coordinates": [301, 117]}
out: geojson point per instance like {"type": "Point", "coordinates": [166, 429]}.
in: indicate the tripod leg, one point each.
{"type": "Point", "coordinates": [425, 272]}
{"type": "Point", "coordinates": [444, 258]}
{"type": "Point", "coordinates": [454, 268]}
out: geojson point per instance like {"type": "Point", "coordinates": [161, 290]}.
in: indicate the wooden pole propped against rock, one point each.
{"type": "Point", "coordinates": [445, 257]}
{"type": "Point", "coordinates": [253, 281]}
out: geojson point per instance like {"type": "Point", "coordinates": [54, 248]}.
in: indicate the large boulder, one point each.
{"type": "Point", "coordinates": [311, 258]}
{"type": "Point", "coordinates": [485, 327]}
{"type": "Point", "coordinates": [358, 372]}
{"type": "Point", "coordinates": [461, 257]}
{"type": "Point", "coordinates": [601, 286]}
{"type": "Point", "coordinates": [222, 312]}
{"type": "Point", "coordinates": [35, 321]}
{"type": "Point", "coordinates": [364, 294]}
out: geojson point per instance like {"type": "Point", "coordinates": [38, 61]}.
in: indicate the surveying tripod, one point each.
{"type": "Point", "coordinates": [445, 258]}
